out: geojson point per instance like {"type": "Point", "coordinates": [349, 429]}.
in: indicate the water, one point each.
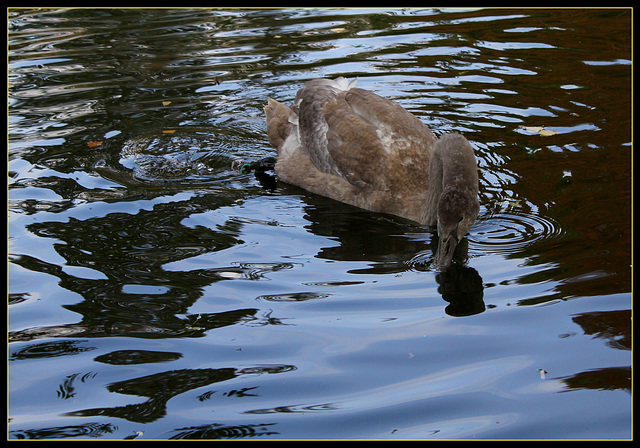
{"type": "Point", "coordinates": [155, 293]}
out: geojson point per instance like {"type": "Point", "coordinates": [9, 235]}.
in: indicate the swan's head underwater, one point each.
{"type": "Point", "coordinates": [457, 212]}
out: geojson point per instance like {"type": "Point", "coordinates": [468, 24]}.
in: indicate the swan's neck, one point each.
{"type": "Point", "coordinates": [452, 167]}
{"type": "Point", "coordinates": [436, 174]}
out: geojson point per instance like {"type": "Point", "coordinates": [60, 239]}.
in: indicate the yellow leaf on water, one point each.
{"type": "Point", "coordinates": [94, 144]}
{"type": "Point", "coordinates": [166, 103]}
{"type": "Point", "coordinates": [169, 131]}
{"type": "Point", "coordinates": [539, 130]}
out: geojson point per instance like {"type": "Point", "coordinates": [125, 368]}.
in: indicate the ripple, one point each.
{"type": "Point", "coordinates": [173, 155]}
{"type": "Point", "coordinates": [293, 297]}
{"type": "Point", "coordinates": [50, 349]}
{"type": "Point", "coordinates": [64, 432]}
{"type": "Point", "coordinates": [511, 232]}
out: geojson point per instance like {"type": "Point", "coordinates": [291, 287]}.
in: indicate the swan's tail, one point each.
{"type": "Point", "coordinates": [281, 122]}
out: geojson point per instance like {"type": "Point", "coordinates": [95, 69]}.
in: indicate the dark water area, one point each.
{"type": "Point", "coordinates": [156, 293]}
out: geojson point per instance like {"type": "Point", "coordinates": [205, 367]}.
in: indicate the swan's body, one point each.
{"type": "Point", "coordinates": [356, 147]}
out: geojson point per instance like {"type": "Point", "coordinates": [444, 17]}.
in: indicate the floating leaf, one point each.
{"type": "Point", "coordinates": [169, 131]}
{"type": "Point", "coordinates": [134, 435]}
{"type": "Point", "coordinates": [539, 130]}
{"type": "Point", "coordinates": [166, 103]}
{"type": "Point", "coordinates": [94, 144]}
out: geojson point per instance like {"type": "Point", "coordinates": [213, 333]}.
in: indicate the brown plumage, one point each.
{"type": "Point", "coordinates": [356, 147]}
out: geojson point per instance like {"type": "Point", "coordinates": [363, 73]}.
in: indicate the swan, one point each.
{"type": "Point", "coordinates": [351, 145]}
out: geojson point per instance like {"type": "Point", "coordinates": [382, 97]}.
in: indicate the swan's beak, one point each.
{"type": "Point", "coordinates": [446, 248]}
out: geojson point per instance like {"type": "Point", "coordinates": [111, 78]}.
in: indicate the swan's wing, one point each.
{"type": "Point", "coordinates": [310, 104]}
{"type": "Point", "coordinates": [353, 146]}
{"type": "Point", "coordinates": [378, 142]}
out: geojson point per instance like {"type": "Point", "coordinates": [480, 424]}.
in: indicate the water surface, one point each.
{"type": "Point", "coordinates": [156, 293]}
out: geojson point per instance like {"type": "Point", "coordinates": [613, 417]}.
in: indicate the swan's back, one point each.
{"type": "Point", "coordinates": [354, 146]}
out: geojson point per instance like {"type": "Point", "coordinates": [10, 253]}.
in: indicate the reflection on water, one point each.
{"type": "Point", "coordinates": [462, 287]}
{"type": "Point", "coordinates": [161, 387]}
{"type": "Point", "coordinates": [155, 292]}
